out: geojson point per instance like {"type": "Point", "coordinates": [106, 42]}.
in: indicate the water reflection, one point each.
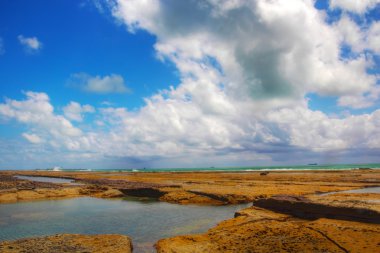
{"type": "Point", "coordinates": [145, 221]}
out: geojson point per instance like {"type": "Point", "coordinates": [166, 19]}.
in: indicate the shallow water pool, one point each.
{"type": "Point", "coordinates": [56, 180]}
{"type": "Point", "coordinates": [144, 221]}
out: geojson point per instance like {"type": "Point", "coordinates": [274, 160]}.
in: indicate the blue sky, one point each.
{"type": "Point", "coordinates": [76, 38]}
{"type": "Point", "coordinates": [124, 84]}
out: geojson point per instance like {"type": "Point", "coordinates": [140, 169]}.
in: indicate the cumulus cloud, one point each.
{"type": "Point", "coordinates": [363, 101]}
{"type": "Point", "coordinates": [97, 84]}
{"type": "Point", "coordinates": [31, 44]}
{"type": "Point", "coordinates": [374, 37]}
{"type": "Point", "coordinates": [74, 111]}
{"type": "Point", "coordinates": [254, 48]}
{"type": "Point", "coordinates": [359, 38]}
{"type": "Point", "coordinates": [32, 138]}
{"type": "Point", "coordinates": [363, 42]}
{"type": "Point", "coordinates": [36, 111]}
{"type": "Point", "coordinates": [316, 131]}
{"type": "Point", "coordinates": [171, 130]}
{"type": "Point", "coordinates": [245, 68]}
{"type": "Point", "coordinates": [355, 6]}
{"type": "Point", "coordinates": [351, 34]}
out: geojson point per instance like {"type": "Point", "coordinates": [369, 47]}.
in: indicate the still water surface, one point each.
{"type": "Point", "coordinates": [144, 221]}
{"type": "Point", "coordinates": [56, 180]}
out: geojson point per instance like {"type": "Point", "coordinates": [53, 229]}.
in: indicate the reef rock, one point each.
{"type": "Point", "coordinates": [263, 231]}
{"type": "Point", "coordinates": [302, 207]}
{"type": "Point", "coordinates": [69, 243]}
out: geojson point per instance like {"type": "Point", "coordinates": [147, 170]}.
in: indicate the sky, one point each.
{"type": "Point", "coordinates": [113, 84]}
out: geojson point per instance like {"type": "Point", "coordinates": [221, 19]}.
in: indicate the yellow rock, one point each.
{"type": "Point", "coordinates": [69, 243]}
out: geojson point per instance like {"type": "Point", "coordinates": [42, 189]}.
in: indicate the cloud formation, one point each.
{"type": "Point", "coordinates": [32, 138]}
{"type": "Point", "coordinates": [31, 44]}
{"type": "Point", "coordinates": [37, 112]}
{"type": "Point", "coordinates": [97, 84]}
{"type": "Point", "coordinates": [266, 49]}
{"type": "Point", "coordinates": [245, 69]}
{"type": "Point", "coordinates": [74, 111]}
{"type": "Point", "coordinates": [171, 131]}
{"type": "Point", "coordinates": [359, 7]}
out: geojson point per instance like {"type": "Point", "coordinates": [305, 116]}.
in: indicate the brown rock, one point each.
{"type": "Point", "coordinates": [302, 207]}
{"type": "Point", "coordinates": [205, 187]}
{"type": "Point", "coordinates": [69, 243]}
{"type": "Point", "coordinates": [263, 231]}
{"type": "Point", "coordinates": [185, 197]}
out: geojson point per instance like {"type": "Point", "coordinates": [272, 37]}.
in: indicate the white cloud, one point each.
{"type": "Point", "coordinates": [36, 111]}
{"type": "Point", "coordinates": [351, 34]}
{"type": "Point", "coordinates": [74, 111]}
{"type": "Point", "coordinates": [97, 84]}
{"type": "Point", "coordinates": [32, 138]}
{"type": "Point", "coordinates": [364, 42]}
{"type": "Point", "coordinates": [359, 38]}
{"type": "Point", "coordinates": [374, 37]}
{"type": "Point", "coordinates": [107, 103]}
{"type": "Point", "coordinates": [362, 101]}
{"type": "Point", "coordinates": [266, 49]}
{"type": "Point", "coordinates": [355, 6]}
{"type": "Point", "coordinates": [31, 44]}
{"type": "Point", "coordinates": [173, 130]}
{"type": "Point", "coordinates": [245, 68]}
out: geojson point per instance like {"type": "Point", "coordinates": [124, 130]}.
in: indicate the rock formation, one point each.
{"type": "Point", "coordinates": [69, 243]}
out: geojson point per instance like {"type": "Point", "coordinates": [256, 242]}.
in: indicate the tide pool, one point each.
{"type": "Point", "coordinates": [144, 221]}
{"type": "Point", "coordinates": [56, 180]}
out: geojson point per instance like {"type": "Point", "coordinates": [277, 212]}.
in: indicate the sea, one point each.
{"type": "Point", "coordinates": [235, 169]}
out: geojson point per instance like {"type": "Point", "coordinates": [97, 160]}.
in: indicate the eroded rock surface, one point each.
{"type": "Point", "coordinates": [253, 229]}
{"type": "Point", "coordinates": [69, 243]}
{"type": "Point", "coordinates": [302, 207]}
{"type": "Point", "coordinates": [213, 188]}
{"type": "Point", "coordinates": [259, 230]}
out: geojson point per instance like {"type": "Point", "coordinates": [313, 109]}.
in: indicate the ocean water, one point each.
{"type": "Point", "coordinates": [231, 169]}
{"type": "Point", "coordinates": [144, 221]}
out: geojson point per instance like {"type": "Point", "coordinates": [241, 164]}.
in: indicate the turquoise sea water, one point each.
{"type": "Point", "coordinates": [144, 221]}
{"type": "Point", "coordinates": [227, 169]}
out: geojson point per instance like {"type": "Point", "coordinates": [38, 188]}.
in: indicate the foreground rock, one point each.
{"type": "Point", "coordinates": [331, 227]}
{"type": "Point", "coordinates": [304, 208]}
{"type": "Point", "coordinates": [259, 230]}
{"type": "Point", "coordinates": [353, 200]}
{"type": "Point", "coordinates": [70, 243]}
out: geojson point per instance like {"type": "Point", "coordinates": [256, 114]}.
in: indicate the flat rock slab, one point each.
{"type": "Point", "coordinates": [302, 207]}
{"type": "Point", "coordinates": [69, 243]}
{"type": "Point", "coordinates": [259, 230]}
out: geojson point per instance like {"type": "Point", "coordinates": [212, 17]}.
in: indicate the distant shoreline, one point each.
{"type": "Point", "coordinates": [322, 167]}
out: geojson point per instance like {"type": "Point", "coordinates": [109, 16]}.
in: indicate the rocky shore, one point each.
{"type": "Point", "coordinates": [290, 213]}
{"type": "Point", "coordinates": [260, 230]}
{"type": "Point", "coordinates": [14, 190]}
{"type": "Point", "coordinates": [69, 243]}
{"type": "Point", "coordinates": [209, 188]}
